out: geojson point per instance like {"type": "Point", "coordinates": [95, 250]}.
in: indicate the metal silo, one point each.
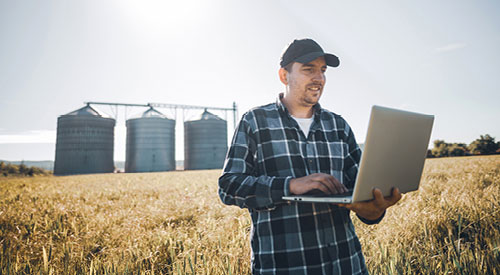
{"type": "Point", "coordinates": [84, 143]}
{"type": "Point", "coordinates": [150, 143]}
{"type": "Point", "coordinates": [205, 142]}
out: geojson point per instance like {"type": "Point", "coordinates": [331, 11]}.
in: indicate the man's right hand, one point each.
{"type": "Point", "coordinates": [327, 184]}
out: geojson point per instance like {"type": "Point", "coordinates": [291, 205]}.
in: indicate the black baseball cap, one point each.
{"type": "Point", "coordinates": [305, 51]}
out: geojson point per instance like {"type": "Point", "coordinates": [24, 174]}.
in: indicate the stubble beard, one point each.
{"type": "Point", "coordinates": [311, 100]}
{"type": "Point", "coordinates": [306, 99]}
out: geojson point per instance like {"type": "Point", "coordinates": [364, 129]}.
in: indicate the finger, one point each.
{"type": "Point", "coordinates": [377, 194]}
{"type": "Point", "coordinates": [352, 206]}
{"type": "Point", "coordinates": [396, 192]}
{"type": "Point", "coordinates": [328, 187]}
{"type": "Point", "coordinates": [343, 186]}
{"type": "Point", "coordinates": [378, 197]}
{"type": "Point", "coordinates": [346, 205]}
{"type": "Point", "coordinates": [395, 196]}
{"type": "Point", "coordinates": [339, 185]}
{"type": "Point", "coordinates": [336, 186]}
{"type": "Point", "coordinates": [319, 185]}
{"type": "Point", "coordinates": [326, 181]}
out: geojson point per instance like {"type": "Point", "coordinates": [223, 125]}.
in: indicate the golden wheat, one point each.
{"type": "Point", "coordinates": [174, 223]}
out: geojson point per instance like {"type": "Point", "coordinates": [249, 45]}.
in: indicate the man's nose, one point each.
{"type": "Point", "coordinates": [320, 77]}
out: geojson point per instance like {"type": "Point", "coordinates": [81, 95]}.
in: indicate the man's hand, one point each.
{"type": "Point", "coordinates": [373, 209]}
{"type": "Point", "coordinates": [327, 184]}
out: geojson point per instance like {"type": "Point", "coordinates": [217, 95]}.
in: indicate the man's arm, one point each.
{"type": "Point", "coordinates": [239, 184]}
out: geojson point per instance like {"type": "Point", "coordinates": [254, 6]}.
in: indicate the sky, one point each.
{"type": "Point", "coordinates": [433, 57]}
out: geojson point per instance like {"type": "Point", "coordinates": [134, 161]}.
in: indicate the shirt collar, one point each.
{"type": "Point", "coordinates": [284, 111]}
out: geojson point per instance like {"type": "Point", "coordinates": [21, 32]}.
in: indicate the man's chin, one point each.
{"type": "Point", "coordinates": [312, 101]}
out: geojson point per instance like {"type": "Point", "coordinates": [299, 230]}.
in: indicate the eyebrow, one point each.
{"type": "Point", "coordinates": [309, 65]}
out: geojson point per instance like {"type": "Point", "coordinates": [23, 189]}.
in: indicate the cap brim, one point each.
{"type": "Point", "coordinates": [330, 59]}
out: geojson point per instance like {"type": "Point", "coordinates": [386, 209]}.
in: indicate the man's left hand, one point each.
{"type": "Point", "coordinates": [372, 210]}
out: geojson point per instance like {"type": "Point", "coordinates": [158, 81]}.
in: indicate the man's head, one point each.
{"type": "Point", "coordinates": [303, 66]}
{"type": "Point", "coordinates": [305, 51]}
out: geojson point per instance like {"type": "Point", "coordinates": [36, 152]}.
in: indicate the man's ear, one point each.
{"type": "Point", "coordinates": [283, 76]}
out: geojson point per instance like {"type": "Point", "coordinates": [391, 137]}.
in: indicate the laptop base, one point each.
{"type": "Point", "coordinates": [339, 199]}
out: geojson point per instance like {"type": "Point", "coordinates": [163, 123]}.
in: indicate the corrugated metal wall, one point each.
{"type": "Point", "coordinates": [150, 143]}
{"type": "Point", "coordinates": [205, 142]}
{"type": "Point", "coordinates": [84, 143]}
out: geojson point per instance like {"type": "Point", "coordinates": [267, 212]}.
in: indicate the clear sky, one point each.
{"type": "Point", "coordinates": [434, 57]}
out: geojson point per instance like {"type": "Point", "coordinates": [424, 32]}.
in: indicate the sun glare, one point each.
{"type": "Point", "coordinates": [156, 15]}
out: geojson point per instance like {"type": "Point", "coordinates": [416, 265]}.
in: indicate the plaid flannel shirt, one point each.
{"type": "Point", "coordinates": [268, 150]}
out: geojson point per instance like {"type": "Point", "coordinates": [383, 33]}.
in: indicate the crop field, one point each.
{"type": "Point", "coordinates": [174, 223]}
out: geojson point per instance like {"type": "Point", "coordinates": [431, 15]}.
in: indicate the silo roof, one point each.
{"type": "Point", "coordinates": [207, 115]}
{"type": "Point", "coordinates": [151, 112]}
{"type": "Point", "coordinates": [87, 110]}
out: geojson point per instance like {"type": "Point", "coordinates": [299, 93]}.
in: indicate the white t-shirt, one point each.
{"type": "Point", "coordinates": [305, 124]}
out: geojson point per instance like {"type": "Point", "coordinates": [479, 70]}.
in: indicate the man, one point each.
{"type": "Point", "coordinates": [294, 146]}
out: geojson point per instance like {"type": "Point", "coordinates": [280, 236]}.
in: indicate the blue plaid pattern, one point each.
{"type": "Point", "coordinates": [268, 149]}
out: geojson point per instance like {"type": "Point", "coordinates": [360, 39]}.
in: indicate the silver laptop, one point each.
{"type": "Point", "coordinates": [393, 156]}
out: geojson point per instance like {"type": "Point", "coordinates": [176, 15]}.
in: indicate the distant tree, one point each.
{"type": "Point", "coordinates": [429, 153]}
{"type": "Point", "coordinates": [40, 171]}
{"type": "Point", "coordinates": [440, 149]}
{"type": "Point", "coordinates": [31, 171]}
{"type": "Point", "coordinates": [443, 149]}
{"type": "Point", "coordinates": [455, 150]}
{"type": "Point", "coordinates": [23, 169]}
{"type": "Point", "coordinates": [3, 169]}
{"type": "Point", "coordinates": [438, 143]}
{"type": "Point", "coordinates": [37, 171]}
{"type": "Point", "coordinates": [12, 169]}
{"type": "Point", "coordinates": [485, 145]}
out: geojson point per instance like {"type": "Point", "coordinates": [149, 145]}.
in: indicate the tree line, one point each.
{"type": "Point", "coordinates": [21, 170]}
{"type": "Point", "coordinates": [484, 145]}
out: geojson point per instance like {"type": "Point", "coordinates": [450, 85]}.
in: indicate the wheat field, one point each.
{"type": "Point", "coordinates": [174, 223]}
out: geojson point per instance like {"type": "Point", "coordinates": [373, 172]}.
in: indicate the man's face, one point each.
{"type": "Point", "coordinates": [306, 81]}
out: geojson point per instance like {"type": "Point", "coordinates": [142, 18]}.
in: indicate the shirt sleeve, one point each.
{"type": "Point", "coordinates": [240, 183]}
{"type": "Point", "coordinates": [352, 159]}
{"type": "Point", "coordinates": [369, 222]}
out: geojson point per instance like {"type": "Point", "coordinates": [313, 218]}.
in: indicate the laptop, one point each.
{"type": "Point", "coordinates": [393, 156]}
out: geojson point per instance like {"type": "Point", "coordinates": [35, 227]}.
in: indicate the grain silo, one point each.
{"type": "Point", "coordinates": [150, 143]}
{"type": "Point", "coordinates": [84, 143]}
{"type": "Point", "coordinates": [205, 142]}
